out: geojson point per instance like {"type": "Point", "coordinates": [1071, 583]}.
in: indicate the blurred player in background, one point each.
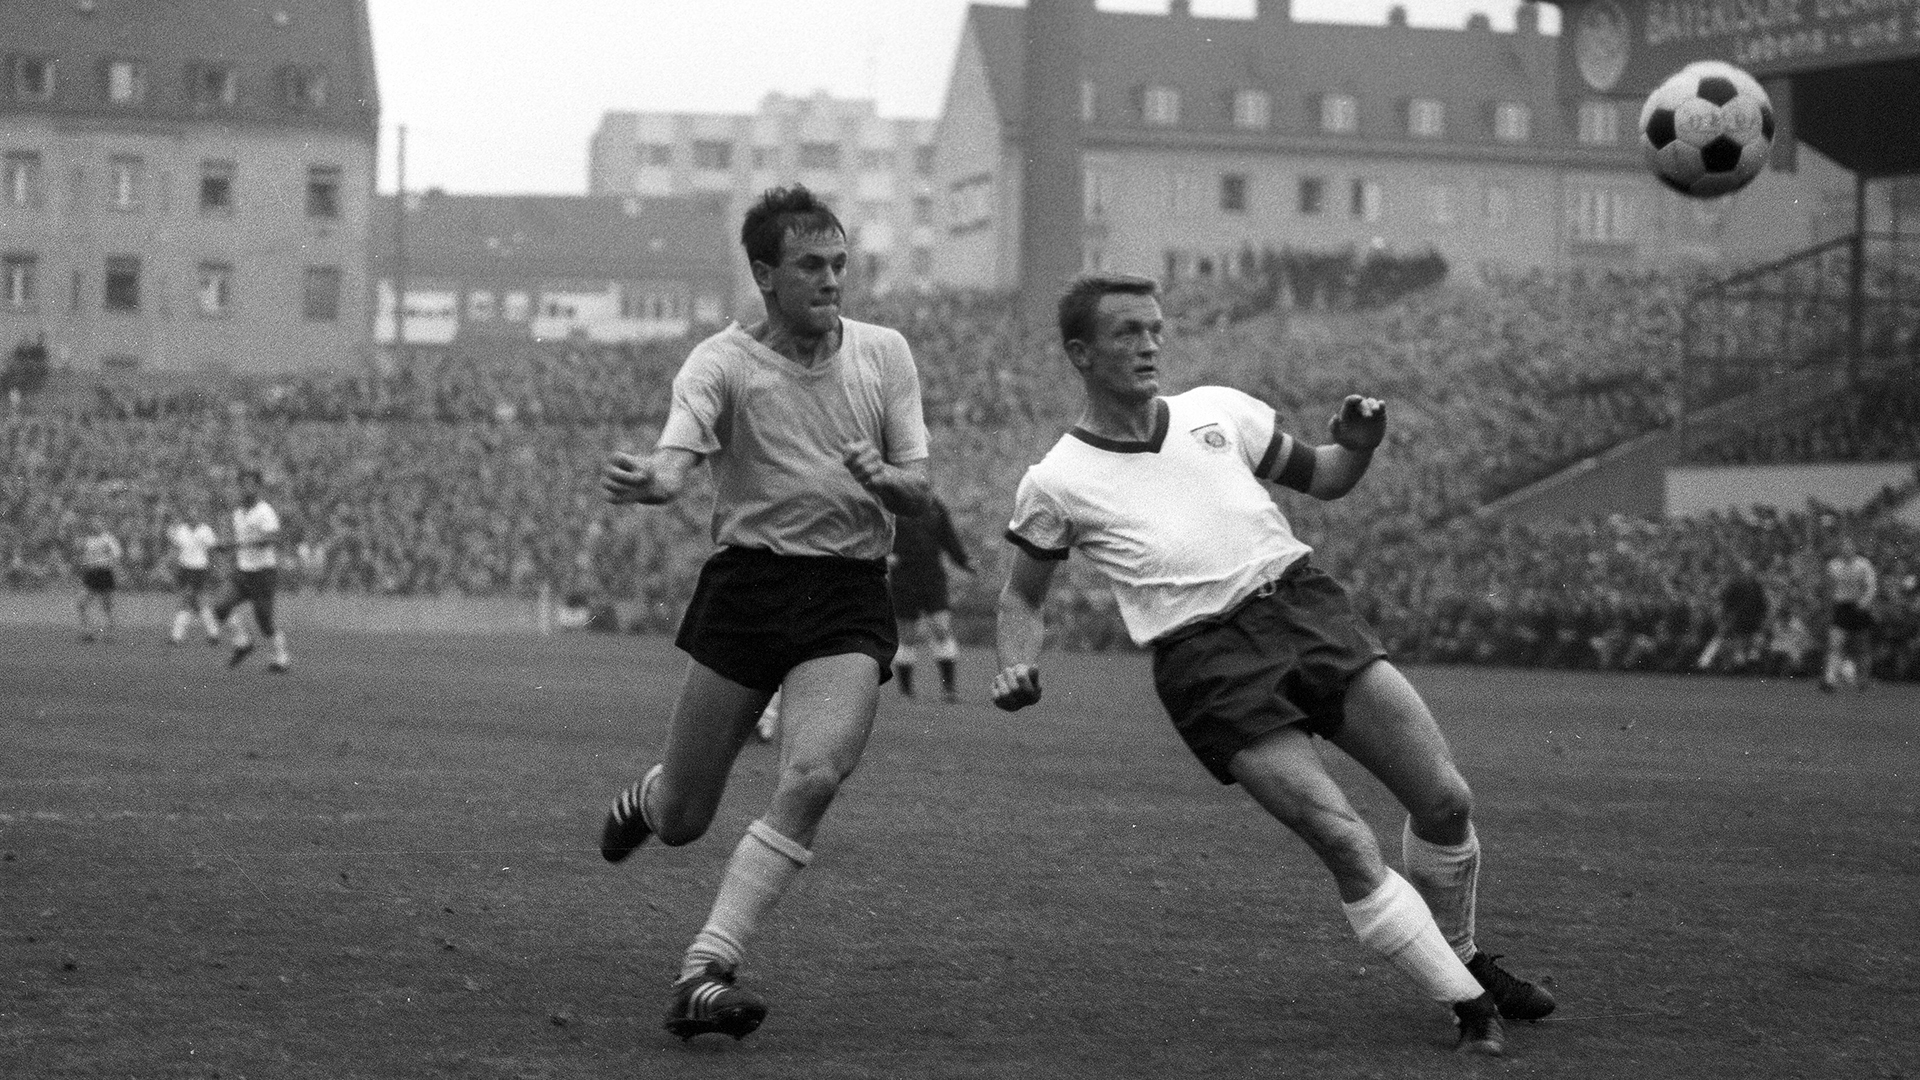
{"type": "Point", "coordinates": [1256, 651]}
{"type": "Point", "coordinates": [1852, 585]}
{"type": "Point", "coordinates": [190, 542]}
{"type": "Point", "coordinates": [812, 425]}
{"type": "Point", "coordinates": [917, 579]}
{"type": "Point", "coordinates": [1740, 634]}
{"type": "Point", "coordinates": [256, 562]}
{"type": "Point", "coordinates": [98, 564]}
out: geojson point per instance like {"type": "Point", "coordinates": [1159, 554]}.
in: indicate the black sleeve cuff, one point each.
{"type": "Point", "coordinates": [1035, 550]}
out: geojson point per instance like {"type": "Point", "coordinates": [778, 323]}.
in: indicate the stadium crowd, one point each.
{"type": "Point", "coordinates": [473, 470]}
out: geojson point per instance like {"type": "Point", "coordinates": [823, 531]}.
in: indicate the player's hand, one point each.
{"type": "Point", "coordinates": [628, 478]}
{"type": "Point", "coordinates": [1016, 687]}
{"type": "Point", "coordinates": [863, 460]}
{"type": "Point", "coordinates": [1360, 424]}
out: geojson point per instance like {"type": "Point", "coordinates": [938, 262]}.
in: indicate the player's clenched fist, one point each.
{"type": "Point", "coordinates": [864, 462]}
{"type": "Point", "coordinates": [1016, 687]}
{"type": "Point", "coordinates": [629, 478]}
{"type": "Point", "coordinates": [1360, 424]}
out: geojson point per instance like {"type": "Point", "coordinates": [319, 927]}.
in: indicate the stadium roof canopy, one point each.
{"type": "Point", "coordinates": [1850, 67]}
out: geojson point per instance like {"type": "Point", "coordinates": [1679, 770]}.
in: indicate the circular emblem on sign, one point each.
{"type": "Point", "coordinates": [1600, 43]}
{"type": "Point", "coordinates": [1215, 439]}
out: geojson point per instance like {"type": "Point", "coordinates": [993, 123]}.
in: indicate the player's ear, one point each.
{"type": "Point", "coordinates": [1077, 354]}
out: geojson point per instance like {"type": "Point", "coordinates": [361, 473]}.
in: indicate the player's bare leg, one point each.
{"type": "Point", "coordinates": [712, 719]}
{"type": "Point", "coordinates": [1391, 733]}
{"type": "Point", "coordinates": [907, 654]}
{"type": "Point", "coordinates": [827, 708]}
{"type": "Point", "coordinates": [945, 651]}
{"type": "Point", "coordinates": [1284, 773]}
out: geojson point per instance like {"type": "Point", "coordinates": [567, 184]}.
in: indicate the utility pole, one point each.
{"type": "Point", "coordinates": [400, 251]}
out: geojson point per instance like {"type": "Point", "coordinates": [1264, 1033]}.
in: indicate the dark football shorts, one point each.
{"type": "Point", "coordinates": [1284, 656]}
{"type": "Point", "coordinates": [190, 579]}
{"type": "Point", "coordinates": [918, 591]}
{"type": "Point", "coordinates": [756, 615]}
{"type": "Point", "coordinates": [254, 587]}
{"type": "Point", "coordinates": [97, 579]}
{"type": "Point", "coordinates": [1851, 617]}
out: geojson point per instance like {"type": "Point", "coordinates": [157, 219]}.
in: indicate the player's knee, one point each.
{"type": "Point", "coordinates": [677, 824]}
{"type": "Point", "coordinates": [1445, 816]}
{"type": "Point", "coordinates": [811, 782]}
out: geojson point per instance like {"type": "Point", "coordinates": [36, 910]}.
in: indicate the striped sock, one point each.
{"type": "Point", "coordinates": [763, 865]}
{"type": "Point", "coordinates": [1447, 877]}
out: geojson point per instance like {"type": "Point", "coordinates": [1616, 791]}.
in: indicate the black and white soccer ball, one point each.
{"type": "Point", "coordinates": [1707, 130]}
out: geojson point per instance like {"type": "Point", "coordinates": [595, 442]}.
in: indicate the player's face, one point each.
{"type": "Point", "coordinates": [803, 292]}
{"type": "Point", "coordinates": [1123, 359]}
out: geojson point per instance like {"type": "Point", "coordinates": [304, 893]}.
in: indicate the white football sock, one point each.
{"type": "Point", "coordinates": [763, 865]}
{"type": "Point", "coordinates": [182, 619]}
{"type": "Point", "coordinates": [1394, 922]}
{"type": "Point", "coordinates": [1447, 877]}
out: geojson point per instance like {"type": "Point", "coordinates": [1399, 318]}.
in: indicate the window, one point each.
{"type": "Point", "coordinates": [1252, 110]}
{"type": "Point", "coordinates": [1233, 193]}
{"type": "Point", "coordinates": [1313, 195]}
{"type": "Point", "coordinates": [212, 86]}
{"type": "Point", "coordinates": [303, 88]}
{"type": "Point", "coordinates": [480, 306]}
{"type": "Point", "coordinates": [216, 187]}
{"type": "Point", "coordinates": [1096, 193]}
{"type": "Point", "coordinates": [1512, 122]}
{"type": "Point", "coordinates": [20, 175]}
{"type": "Point", "coordinates": [1363, 200]}
{"type": "Point", "coordinates": [1160, 106]}
{"type": "Point", "coordinates": [323, 192]}
{"type": "Point", "coordinates": [658, 155]}
{"type": "Point", "coordinates": [1499, 205]}
{"type": "Point", "coordinates": [1440, 203]}
{"type": "Point", "coordinates": [126, 82]}
{"type": "Point", "coordinates": [321, 302]}
{"type": "Point", "coordinates": [1089, 101]}
{"type": "Point", "coordinates": [766, 157]}
{"type": "Point", "coordinates": [17, 273]}
{"type": "Point", "coordinates": [122, 291]}
{"type": "Point", "coordinates": [1602, 216]}
{"type": "Point", "coordinates": [1339, 113]}
{"type": "Point", "coordinates": [923, 209]}
{"type": "Point", "coordinates": [515, 307]}
{"type": "Point", "coordinates": [215, 289]}
{"type": "Point", "coordinates": [819, 155]}
{"type": "Point", "coordinates": [1599, 123]}
{"type": "Point", "coordinates": [923, 160]}
{"type": "Point", "coordinates": [126, 175]}
{"type": "Point", "coordinates": [32, 78]}
{"type": "Point", "coordinates": [712, 154]}
{"type": "Point", "coordinates": [970, 203]}
{"type": "Point", "coordinates": [876, 160]}
{"type": "Point", "coordinates": [922, 262]}
{"type": "Point", "coordinates": [1426, 118]}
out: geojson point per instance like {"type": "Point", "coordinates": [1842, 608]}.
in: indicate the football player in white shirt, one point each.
{"type": "Point", "coordinates": [98, 565]}
{"type": "Point", "coordinates": [1853, 584]}
{"type": "Point", "coordinates": [811, 426]}
{"type": "Point", "coordinates": [192, 541]}
{"type": "Point", "coordinates": [1256, 651]}
{"type": "Point", "coordinates": [256, 563]}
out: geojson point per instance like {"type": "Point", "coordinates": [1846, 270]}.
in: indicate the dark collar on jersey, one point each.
{"type": "Point", "coordinates": [1130, 446]}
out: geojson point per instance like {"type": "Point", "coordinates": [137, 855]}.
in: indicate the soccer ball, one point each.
{"type": "Point", "coordinates": [1707, 130]}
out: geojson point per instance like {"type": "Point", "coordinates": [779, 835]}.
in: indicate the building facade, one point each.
{"type": "Point", "coordinates": [1203, 141]}
{"type": "Point", "coordinates": [187, 186]}
{"type": "Point", "coordinates": [549, 267]}
{"type": "Point", "coordinates": [875, 172]}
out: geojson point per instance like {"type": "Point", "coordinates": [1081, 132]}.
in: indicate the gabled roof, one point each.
{"type": "Point", "coordinates": [259, 40]}
{"type": "Point", "coordinates": [527, 237]}
{"type": "Point", "coordinates": [1208, 58]}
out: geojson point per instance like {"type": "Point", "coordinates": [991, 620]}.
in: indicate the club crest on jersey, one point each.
{"type": "Point", "coordinates": [1213, 437]}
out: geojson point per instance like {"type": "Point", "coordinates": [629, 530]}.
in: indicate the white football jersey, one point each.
{"type": "Point", "coordinates": [191, 544]}
{"type": "Point", "coordinates": [254, 532]}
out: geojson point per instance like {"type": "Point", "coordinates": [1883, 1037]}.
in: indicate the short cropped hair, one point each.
{"type": "Point", "coordinates": [1082, 300]}
{"type": "Point", "coordinates": [782, 210]}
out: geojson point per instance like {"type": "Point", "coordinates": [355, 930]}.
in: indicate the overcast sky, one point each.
{"type": "Point", "coordinates": [501, 96]}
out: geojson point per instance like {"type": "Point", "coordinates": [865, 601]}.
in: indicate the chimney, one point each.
{"type": "Point", "coordinates": [1280, 10]}
{"type": "Point", "coordinates": [1526, 19]}
{"type": "Point", "coordinates": [1397, 15]}
{"type": "Point", "coordinates": [1180, 9]}
{"type": "Point", "coordinates": [1479, 22]}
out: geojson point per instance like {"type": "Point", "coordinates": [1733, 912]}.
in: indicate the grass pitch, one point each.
{"type": "Point", "coordinates": [383, 865]}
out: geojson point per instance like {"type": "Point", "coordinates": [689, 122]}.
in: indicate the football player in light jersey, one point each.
{"type": "Point", "coordinates": [98, 564]}
{"type": "Point", "coordinates": [192, 541]}
{"type": "Point", "coordinates": [812, 426]}
{"type": "Point", "coordinates": [256, 562]}
{"type": "Point", "coordinates": [1853, 584]}
{"type": "Point", "coordinates": [1256, 650]}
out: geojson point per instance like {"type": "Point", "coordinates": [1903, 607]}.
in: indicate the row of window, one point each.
{"type": "Point", "coordinates": [123, 278]}
{"type": "Point", "coordinates": [1339, 114]}
{"type": "Point", "coordinates": [130, 185]}
{"type": "Point", "coordinates": [717, 155]}
{"type": "Point", "coordinates": [206, 85]}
